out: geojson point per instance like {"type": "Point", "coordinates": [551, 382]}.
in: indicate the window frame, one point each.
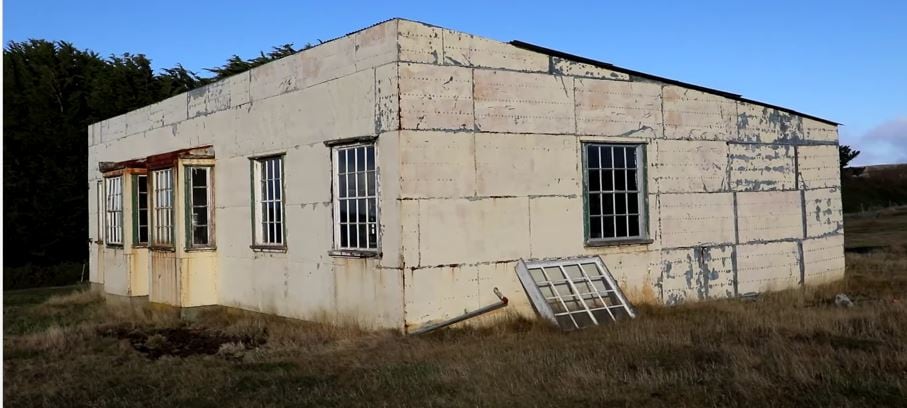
{"type": "Point", "coordinates": [108, 228]}
{"type": "Point", "coordinates": [136, 210]}
{"type": "Point", "coordinates": [153, 221]}
{"type": "Point", "coordinates": [338, 249]}
{"type": "Point", "coordinates": [255, 166]}
{"type": "Point", "coordinates": [189, 204]}
{"type": "Point", "coordinates": [642, 195]}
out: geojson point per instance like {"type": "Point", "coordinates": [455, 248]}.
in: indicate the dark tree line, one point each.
{"type": "Point", "coordinates": [52, 92]}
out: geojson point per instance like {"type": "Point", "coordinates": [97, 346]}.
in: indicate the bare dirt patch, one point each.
{"type": "Point", "coordinates": [181, 341]}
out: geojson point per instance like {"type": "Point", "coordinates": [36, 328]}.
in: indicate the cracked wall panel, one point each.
{"type": "Point", "coordinates": [112, 129]}
{"type": "Point", "coordinates": [472, 51]}
{"type": "Point", "coordinates": [769, 216]}
{"type": "Point", "coordinates": [823, 259]}
{"type": "Point", "coordinates": [824, 215]}
{"type": "Point", "coordinates": [525, 164]}
{"type": "Point", "coordinates": [613, 108]}
{"type": "Point", "coordinates": [690, 166]}
{"type": "Point", "coordinates": [682, 279]}
{"type": "Point", "coordinates": [366, 293]}
{"type": "Point", "coordinates": [637, 273]}
{"type": "Point", "coordinates": [718, 268]}
{"type": "Point", "coordinates": [372, 47]}
{"type": "Point", "coordinates": [696, 219]}
{"type": "Point", "coordinates": [695, 115]}
{"type": "Point", "coordinates": [437, 164]}
{"type": "Point", "coordinates": [816, 131]}
{"type": "Point", "coordinates": [211, 98]}
{"type": "Point", "coordinates": [456, 231]}
{"type": "Point", "coordinates": [818, 167]}
{"type": "Point", "coordinates": [562, 66]}
{"type": "Point", "coordinates": [419, 43]}
{"type": "Point", "coordinates": [756, 167]}
{"type": "Point", "coordinates": [556, 228]}
{"type": "Point", "coordinates": [762, 124]}
{"type": "Point", "coordinates": [409, 233]}
{"type": "Point", "coordinates": [138, 121]}
{"type": "Point", "coordinates": [309, 228]}
{"type": "Point", "coordinates": [387, 114]}
{"type": "Point", "coordinates": [767, 267]}
{"type": "Point", "coordinates": [440, 293]}
{"type": "Point", "coordinates": [275, 78]}
{"type": "Point", "coordinates": [502, 275]}
{"type": "Point", "coordinates": [516, 102]}
{"type": "Point", "coordinates": [436, 97]}
{"type": "Point", "coordinates": [389, 152]}
{"type": "Point", "coordinates": [169, 111]}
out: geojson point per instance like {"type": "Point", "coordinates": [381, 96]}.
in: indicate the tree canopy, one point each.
{"type": "Point", "coordinates": [52, 92]}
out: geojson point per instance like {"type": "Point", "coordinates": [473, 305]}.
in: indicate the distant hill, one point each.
{"type": "Point", "coordinates": [874, 187]}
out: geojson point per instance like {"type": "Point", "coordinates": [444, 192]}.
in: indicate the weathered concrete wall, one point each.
{"type": "Point", "coordinates": [340, 89]}
{"type": "Point", "coordinates": [479, 149]}
{"type": "Point", "coordinates": [740, 197]}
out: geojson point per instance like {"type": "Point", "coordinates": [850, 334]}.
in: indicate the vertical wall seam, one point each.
{"type": "Point", "coordinates": [734, 267]}
{"type": "Point", "coordinates": [802, 263]}
{"type": "Point", "coordinates": [736, 219]}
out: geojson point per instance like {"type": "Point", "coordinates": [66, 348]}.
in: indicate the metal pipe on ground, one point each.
{"type": "Point", "coordinates": [469, 315]}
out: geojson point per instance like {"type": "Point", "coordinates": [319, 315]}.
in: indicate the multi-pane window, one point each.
{"type": "Point", "coordinates": [613, 192]}
{"type": "Point", "coordinates": [141, 208]}
{"type": "Point", "coordinates": [162, 184]}
{"type": "Point", "coordinates": [200, 209]}
{"type": "Point", "coordinates": [355, 198]}
{"type": "Point", "coordinates": [268, 192]}
{"type": "Point", "coordinates": [114, 210]}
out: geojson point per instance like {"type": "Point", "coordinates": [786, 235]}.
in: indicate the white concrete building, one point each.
{"type": "Point", "coordinates": [394, 176]}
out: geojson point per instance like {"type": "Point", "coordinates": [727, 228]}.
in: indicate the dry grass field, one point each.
{"type": "Point", "coordinates": [67, 347]}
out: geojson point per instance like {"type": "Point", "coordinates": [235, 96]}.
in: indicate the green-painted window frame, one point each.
{"type": "Point", "coordinates": [136, 242]}
{"type": "Point", "coordinates": [642, 197]}
{"type": "Point", "coordinates": [188, 204]}
{"type": "Point", "coordinates": [254, 179]}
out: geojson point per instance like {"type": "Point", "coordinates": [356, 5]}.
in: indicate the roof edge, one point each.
{"type": "Point", "coordinates": [600, 64]}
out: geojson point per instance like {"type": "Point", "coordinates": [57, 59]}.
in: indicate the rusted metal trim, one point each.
{"type": "Point", "coordinates": [617, 242]}
{"type": "Point", "coordinates": [268, 248]}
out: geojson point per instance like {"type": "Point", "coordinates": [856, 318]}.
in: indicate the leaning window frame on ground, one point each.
{"type": "Point", "coordinates": [589, 296]}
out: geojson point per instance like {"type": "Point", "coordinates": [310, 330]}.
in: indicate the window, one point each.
{"type": "Point", "coordinates": [355, 198]}
{"type": "Point", "coordinates": [114, 210]}
{"type": "Point", "coordinates": [268, 192]}
{"type": "Point", "coordinates": [163, 207]}
{"type": "Point", "coordinates": [141, 209]}
{"type": "Point", "coordinates": [614, 197]}
{"type": "Point", "coordinates": [200, 209]}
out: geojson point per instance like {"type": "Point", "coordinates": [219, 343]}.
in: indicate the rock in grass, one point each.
{"type": "Point", "coordinates": [841, 300]}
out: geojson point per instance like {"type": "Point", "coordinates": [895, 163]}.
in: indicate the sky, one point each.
{"type": "Point", "coordinates": [841, 60]}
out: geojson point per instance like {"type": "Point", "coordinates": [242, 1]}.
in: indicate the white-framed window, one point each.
{"type": "Point", "coordinates": [614, 192]}
{"type": "Point", "coordinates": [162, 205]}
{"type": "Point", "coordinates": [267, 190]}
{"type": "Point", "coordinates": [141, 209]}
{"type": "Point", "coordinates": [355, 198]}
{"type": "Point", "coordinates": [99, 196]}
{"type": "Point", "coordinates": [113, 210]}
{"type": "Point", "coordinates": [200, 208]}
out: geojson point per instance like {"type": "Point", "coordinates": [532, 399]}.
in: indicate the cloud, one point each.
{"type": "Point", "coordinates": [883, 144]}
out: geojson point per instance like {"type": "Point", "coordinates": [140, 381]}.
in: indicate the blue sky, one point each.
{"type": "Point", "coordinates": [842, 60]}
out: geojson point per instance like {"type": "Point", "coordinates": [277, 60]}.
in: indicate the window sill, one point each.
{"type": "Point", "coordinates": [161, 248]}
{"type": "Point", "coordinates": [202, 249]}
{"type": "Point", "coordinates": [618, 242]}
{"type": "Point", "coordinates": [354, 253]}
{"type": "Point", "coordinates": [115, 246]}
{"type": "Point", "coordinates": [268, 248]}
